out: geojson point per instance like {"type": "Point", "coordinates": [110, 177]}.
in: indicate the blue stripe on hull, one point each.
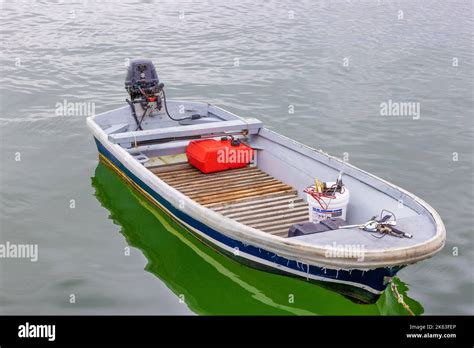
{"type": "Point", "coordinates": [372, 278]}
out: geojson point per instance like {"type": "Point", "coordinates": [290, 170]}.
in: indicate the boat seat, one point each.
{"type": "Point", "coordinates": [116, 128]}
{"type": "Point", "coordinates": [126, 139]}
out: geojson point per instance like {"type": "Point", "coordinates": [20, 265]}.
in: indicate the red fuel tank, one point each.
{"type": "Point", "coordinates": [217, 155]}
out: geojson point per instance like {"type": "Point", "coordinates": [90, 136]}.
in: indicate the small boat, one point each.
{"type": "Point", "coordinates": [249, 212]}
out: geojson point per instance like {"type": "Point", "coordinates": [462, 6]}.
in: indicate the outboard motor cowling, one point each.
{"type": "Point", "coordinates": [142, 80]}
{"type": "Point", "coordinates": [147, 95]}
{"type": "Point", "coordinates": [145, 90]}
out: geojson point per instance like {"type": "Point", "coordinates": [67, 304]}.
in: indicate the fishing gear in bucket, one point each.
{"type": "Point", "coordinates": [147, 92]}
{"type": "Point", "coordinates": [327, 200]}
{"type": "Point", "coordinates": [328, 203]}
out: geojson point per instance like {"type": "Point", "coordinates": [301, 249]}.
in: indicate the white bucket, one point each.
{"type": "Point", "coordinates": [336, 207]}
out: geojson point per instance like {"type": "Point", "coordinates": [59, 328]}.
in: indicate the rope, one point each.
{"type": "Point", "coordinates": [321, 196]}
{"type": "Point", "coordinates": [399, 297]}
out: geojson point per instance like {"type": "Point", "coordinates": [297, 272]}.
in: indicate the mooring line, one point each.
{"type": "Point", "coordinates": [400, 300]}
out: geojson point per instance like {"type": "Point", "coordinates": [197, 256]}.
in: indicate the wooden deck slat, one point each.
{"type": "Point", "coordinates": [277, 229]}
{"type": "Point", "coordinates": [255, 202]}
{"type": "Point", "coordinates": [203, 181]}
{"type": "Point", "coordinates": [269, 213]}
{"type": "Point", "coordinates": [218, 188]}
{"type": "Point", "coordinates": [282, 215]}
{"type": "Point", "coordinates": [247, 195]}
{"type": "Point", "coordinates": [255, 189]}
{"type": "Point", "coordinates": [225, 186]}
{"type": "Point", "coordinates": [281, 234]}
{"type": "Point", "coordinates": [284, 222]}
{"type": "Point", "coordinates": [170, 167]}
{"type": "Point", "coordinates": [225, 181]}
{"type": "Point", "coordinates": [241, 196]}
{"type": "Point", "coordinates": [268, 207]}
{"type": "Point", "coordinates": [185, 173]}
{"type": "Point", "coordinates": [195, 172]}
{"type": "Point", "coordinates": [198, 175]}
{"type": "Point", "coordinates": [247, 199]}
{"type": "Point", "coordinates": [182, 172]}
{"type": "Point", "coordinates": [278, 221]}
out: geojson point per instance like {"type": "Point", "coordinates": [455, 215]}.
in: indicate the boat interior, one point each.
{"type": "Point", "coordinates": [267, 194]}
{"type": "Point", "coordinates": [247, 195]}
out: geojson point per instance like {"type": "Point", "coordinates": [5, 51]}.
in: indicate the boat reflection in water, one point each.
{"type": "Point", "coordinates": [211, 283]}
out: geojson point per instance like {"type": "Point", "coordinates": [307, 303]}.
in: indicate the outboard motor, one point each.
{"type": "Point", "coordinates": [142, 81]}
{"type": "Point", "coordinates": [147, 96]}
{"type": "Point", "coordinates": [145, 90]}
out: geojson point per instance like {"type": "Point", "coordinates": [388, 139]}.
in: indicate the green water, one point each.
{"type": "Point", "coordinates": [210, 283]}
